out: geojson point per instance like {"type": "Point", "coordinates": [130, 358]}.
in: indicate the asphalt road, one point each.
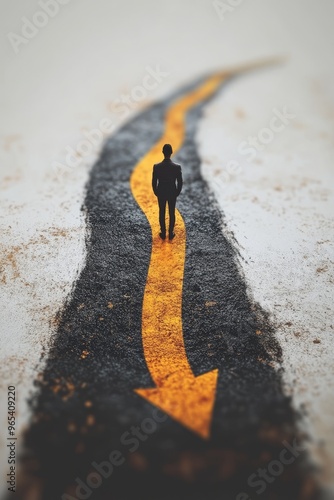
{"type": "Point", "coordinates": [86, 410]}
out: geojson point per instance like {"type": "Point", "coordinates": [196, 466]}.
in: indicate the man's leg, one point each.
{"type": "Point", "coordinates": [162, 213]}
{"type": "Point", "coordinates": [171, 209]}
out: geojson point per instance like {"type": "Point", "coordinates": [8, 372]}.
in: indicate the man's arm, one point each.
{"type": "Point", "coordinates": [179, 180]}
{"type": "Point", "coordinates": [154, 180]}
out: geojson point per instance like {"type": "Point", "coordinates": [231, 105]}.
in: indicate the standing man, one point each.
{"type": "Point", "coordinates": [167, 185]}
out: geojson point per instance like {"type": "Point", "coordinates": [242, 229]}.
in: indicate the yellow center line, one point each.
{"type": "Point", "coordinates": [186, 398]}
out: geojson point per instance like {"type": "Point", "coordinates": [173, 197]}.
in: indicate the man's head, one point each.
{"type": "Point", "coordinates": [167, 150]}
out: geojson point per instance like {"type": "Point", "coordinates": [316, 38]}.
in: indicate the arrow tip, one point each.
{"type": "Point", "coordinates": [188, 400]}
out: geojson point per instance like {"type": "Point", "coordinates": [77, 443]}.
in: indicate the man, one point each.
{"type": "Point", "coordinates": [167, 185]}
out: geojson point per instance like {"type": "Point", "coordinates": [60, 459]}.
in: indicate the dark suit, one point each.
{"type": "Point", "coordinates": [167, 185]}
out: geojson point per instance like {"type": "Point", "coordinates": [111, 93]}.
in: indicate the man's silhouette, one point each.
{"type": "Point", "coordinates": [167, 185]}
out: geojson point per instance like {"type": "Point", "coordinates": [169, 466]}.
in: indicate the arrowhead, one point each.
{"type": "Point", "coordinates": [188, 400]}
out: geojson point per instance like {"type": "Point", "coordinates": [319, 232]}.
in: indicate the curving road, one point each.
{"type": "Point", "coordinates": [148, 397]}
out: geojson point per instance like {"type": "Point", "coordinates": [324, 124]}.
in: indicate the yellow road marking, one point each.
{"type": "Point", "coordinates": [186, 398]}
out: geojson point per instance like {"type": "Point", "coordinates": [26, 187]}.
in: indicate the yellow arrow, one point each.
{"type": "Point", "coordinates": [186, 398]}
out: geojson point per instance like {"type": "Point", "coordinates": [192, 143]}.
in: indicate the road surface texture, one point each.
{"type": "Point", "coordinates": [89, 408]}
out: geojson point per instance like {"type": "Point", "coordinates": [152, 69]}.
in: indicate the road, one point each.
{"type": "Point", "coordinates": [166, 375]}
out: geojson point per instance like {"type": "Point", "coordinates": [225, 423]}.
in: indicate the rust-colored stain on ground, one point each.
{"type": "Point", "coordinates": [63, 387]}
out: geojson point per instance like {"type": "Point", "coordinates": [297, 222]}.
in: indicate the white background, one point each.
{"type": "Point", "coordinates": [279, 206]}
